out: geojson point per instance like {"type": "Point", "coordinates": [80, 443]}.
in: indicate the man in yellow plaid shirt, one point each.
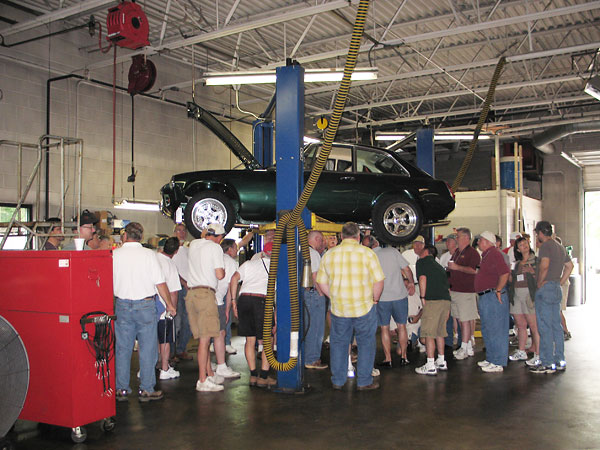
{"type": "Point", "coordinates": [350, 275]}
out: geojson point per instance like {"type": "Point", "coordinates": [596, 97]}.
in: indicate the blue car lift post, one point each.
{"type": "Point", "coordinates": [289, 185]}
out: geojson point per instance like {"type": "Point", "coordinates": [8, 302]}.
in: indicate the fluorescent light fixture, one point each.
{"type": "Point", "coordinates": [571, 159]}
{"type": "Point", "coordinates": [309, 140]}
{"type": "Point", "coordinates": [390, 137]}
{"type": "Point", "coordinates": [437, 136]}
{"type": "Point", "coordinates": [268, 76]}
{"type": "Point", "coordinates": [592, 87]}
{"type": "Point", "coordinates": [137, 205]}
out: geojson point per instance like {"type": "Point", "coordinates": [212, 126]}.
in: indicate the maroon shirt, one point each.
{"type": "Point", "coordinates": [460, 281]}
{"type": "Point", "coordinates": [492, 266]}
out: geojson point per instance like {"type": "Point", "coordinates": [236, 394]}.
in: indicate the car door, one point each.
{"type": "Point", "coordinates": [335, 196]}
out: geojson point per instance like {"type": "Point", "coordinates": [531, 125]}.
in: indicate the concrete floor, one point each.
{"type": "Point", "coordinates": [463, 408]}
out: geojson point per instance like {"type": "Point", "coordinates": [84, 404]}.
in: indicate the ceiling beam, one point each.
{"type": "Point", "coordinates": [64, 13]}
{"type": "Point", "coordinates": [440, 95]}
{"type": "Point", "coordinates": [466, 111]}
{"type": "Point", "coordinates": [481, 26]}
{"type": "Point", "coordinates": [272, 19]}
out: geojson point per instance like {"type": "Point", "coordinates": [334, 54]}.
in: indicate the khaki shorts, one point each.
{"type": "Point", "coordinates": [434, 318]}
{"type": "Point", "coordinates": [464, 305]}
{"type": "Point", "coordinates": [522, 303]}
{"type": "Point", "coordinates": [203, 314]}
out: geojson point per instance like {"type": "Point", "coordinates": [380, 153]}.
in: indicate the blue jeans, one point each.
{"type": "Point", "coordinates": [494, 327]}
{"type": "Point", "coordinates": [547, 312]}
{"type": "Point", "coordinates": [314, 317]}
{"type": "Point", "coordinates": [364, 328]}
{"type": "Point", "coordinates": [136, 319]}
{"type": "Point", "coordinates": [182, 323]}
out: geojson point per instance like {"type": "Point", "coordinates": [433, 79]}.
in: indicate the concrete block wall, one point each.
{"type": "Point", "coordinates": [166, 141]}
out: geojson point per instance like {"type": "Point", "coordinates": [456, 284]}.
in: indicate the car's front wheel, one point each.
{"type": "Point", "coordinates": [397, 221]}
{"type": "Point", "coordinates": [208, 207]}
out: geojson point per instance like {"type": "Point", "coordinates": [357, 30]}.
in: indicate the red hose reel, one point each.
{"type": "Point", "coordinates": [127, 26]}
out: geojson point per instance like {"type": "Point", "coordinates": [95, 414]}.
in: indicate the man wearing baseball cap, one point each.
{"type": "Point", "coordinates": [206, 268]}
{"type": "Point", "coordinates": [510, 251]}
{"type": "Point", "coordinates": [490, 280]}
{"type": "Point", "coordinates": [555, 266]}
{"type": "Point", "coordinates": [87, 226]}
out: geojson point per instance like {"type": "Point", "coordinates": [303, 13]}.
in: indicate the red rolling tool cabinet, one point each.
{"type": "Point", "coordinates": [44, 295]}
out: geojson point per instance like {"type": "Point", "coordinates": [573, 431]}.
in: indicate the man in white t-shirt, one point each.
{"type": "Point", "coordinates": [414, 300]}
{"type": "Point", "coordinates": [249, 308]}
{"type": "Point", "coordinates": [166, 335]}
{"type": "Point", "coordinates": [182, 323]}
{"type": "Point", "coordinates": [230, 249]}
{"type": "Point", "coordinates": [136, 278]}
{"type": "Point", "coordinates": [315, 305]}
{"type": "Point", "coordinates": [206, 268]}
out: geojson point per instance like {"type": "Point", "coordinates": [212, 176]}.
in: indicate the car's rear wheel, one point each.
{"type": "Point", "coordinates": [397, 221]}
{"type": "Point", "coordinates": [208, 207]}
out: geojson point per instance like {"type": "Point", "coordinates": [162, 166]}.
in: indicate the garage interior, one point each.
{"type": "Point", "coordinates": [60, 76]}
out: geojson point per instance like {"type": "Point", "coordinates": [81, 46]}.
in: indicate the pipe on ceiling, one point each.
{"type": "Point", "coordinates": [543, 141]}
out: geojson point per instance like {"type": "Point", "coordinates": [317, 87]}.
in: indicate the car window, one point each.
{"type": "Point", "coordinates": [373, 161]}
{"type": "Point", "coordinates": [340, 158]}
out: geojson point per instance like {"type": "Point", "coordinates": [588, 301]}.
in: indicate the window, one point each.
{"type": "Point", "coordinates": [371, 161]}
{"type": "Point", "coordinates": [18, 236]}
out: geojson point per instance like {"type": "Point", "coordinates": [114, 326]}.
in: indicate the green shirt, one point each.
{"type": "Point", "coordinates": [437, 281]}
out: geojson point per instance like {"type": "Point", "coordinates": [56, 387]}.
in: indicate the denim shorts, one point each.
{"type": "Point", "coordinates": [398, 309]}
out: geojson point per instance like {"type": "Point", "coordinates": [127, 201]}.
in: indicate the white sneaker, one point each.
{"type": "Point", "coordinates": [211, 348]}
{"type": "Point", "coordinates": [492, 368]}
{"type": "Point", "coordinates": [483, 363]}
{"type": "Point", "coordinates": [227, 372]}
{"type": "Point", "coordinates": [230, 349]}
{"type": "Point", "coordinates": [213, 365]}
{"type": "Point", "coordinates": [470, 351]}
{"type": "Point", "coordinates": [351, 372]}
{"type": "Point", "coordinates": [421, 347]}
{"type": "Point", "coordinates": [375, 372]}
{"type": "Point", "coordinates": [208, 386]}
{"type": "Point", "coordinates": [216, 379]}
{"type": "Point", "coordinates": [461, 353]}
{"type": "Point", "coordinates": [518, 355]}
{"type": "Point", "coordinates": [534, 361]}
{"type": "Point", "coordinates": [425, 370]}
{"type": "Point", "coordinates": [168, 374]}
{"type": "Point", "coordinates": [441, 365]}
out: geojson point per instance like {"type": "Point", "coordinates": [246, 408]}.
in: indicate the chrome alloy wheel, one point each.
{"type": "Point", "coordinates": [400, 219]}
{"type": "Point", "coordinates": [206, 211]}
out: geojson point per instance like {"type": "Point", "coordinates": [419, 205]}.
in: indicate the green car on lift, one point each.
{"type": "Point", "coordinates": [363, 184]}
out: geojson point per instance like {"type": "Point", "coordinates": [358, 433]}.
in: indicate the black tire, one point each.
{"type": "Point", "coordinates": [397, 221]}
{"type": "Point", "coordinates": [79, 435]}
{"type": "Point", "coordinates": [107, 425]}
{"type": "Point", "coordinates": [208, 207]}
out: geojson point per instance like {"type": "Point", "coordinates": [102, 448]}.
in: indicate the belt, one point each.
{"type": "Point", "coordinates": [249, 294]}
{"type": "Point", "coordinates": [488, 291]}
{"type": "Point", "coordinates": [201, 287]}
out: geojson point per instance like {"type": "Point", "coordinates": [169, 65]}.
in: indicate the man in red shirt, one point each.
{"type": "Point", "coordinates": [463, 267]}
{"type": "Point", "coordinates": [490, 281]}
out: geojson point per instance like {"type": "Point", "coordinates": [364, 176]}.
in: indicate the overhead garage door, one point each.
{"type": "Point", "coordinates": [591, 177]}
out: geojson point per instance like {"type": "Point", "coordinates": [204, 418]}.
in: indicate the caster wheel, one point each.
{"type": "Point", "coordinates": [78, 435]}
{"type": "Point", "coordinates": [107, 425]}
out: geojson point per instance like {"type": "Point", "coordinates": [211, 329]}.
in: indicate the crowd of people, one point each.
{"type": "Point", "coordinates": [185, 290]}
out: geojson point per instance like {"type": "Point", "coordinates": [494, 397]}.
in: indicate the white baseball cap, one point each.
{"type": "Point", "coordinates": [488, 236]}
{"type": "Point", "coordinates": [515, 235]}
{"type": "Point", "coordinates": [216, 229]}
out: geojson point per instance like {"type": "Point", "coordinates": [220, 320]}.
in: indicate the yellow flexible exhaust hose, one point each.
{"type": "Point", "coordinates": [289, 221]}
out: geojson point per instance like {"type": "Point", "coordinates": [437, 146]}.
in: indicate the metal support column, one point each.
{"type": "Point", "coordinates": [262, 142]}
{"type": "Point", "coordinates": [425, 152]}
{"type": "Point", "coordinates": [290, 181]}
{"type": "Point", "coordinates": [426, 159]}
